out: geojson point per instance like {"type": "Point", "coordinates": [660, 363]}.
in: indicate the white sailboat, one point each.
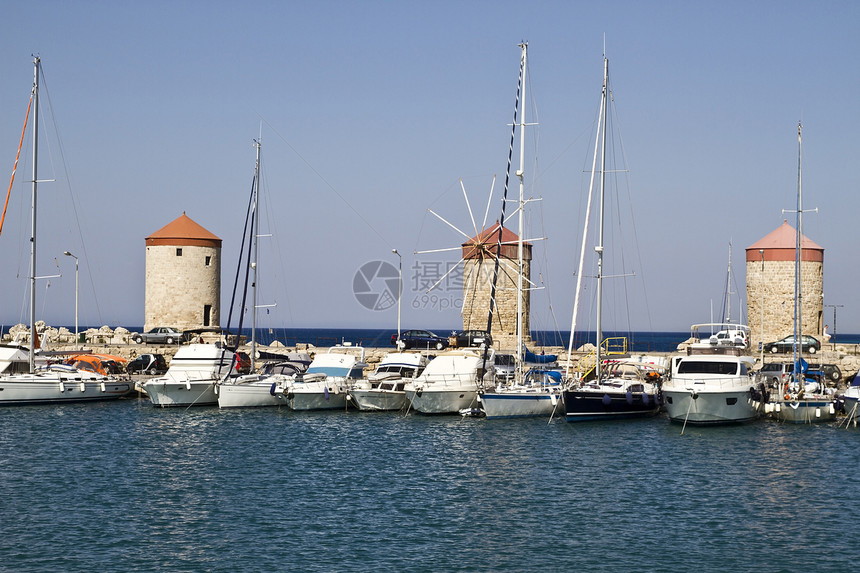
{"type": "Point", "coordinates": [50, 383]}
{"type": "Point", "coordinates": [802, 400]}
{"type": "Point", "coordinates": [613, 393]}
{"type": "Point", "coordinates": [537, 394]}
{"type": "Point", "coordinates": [256, 389]}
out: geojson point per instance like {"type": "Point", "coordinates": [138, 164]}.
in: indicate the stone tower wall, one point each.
{"type": "Point", "coordinates": [477, 282]}
{"type": "Point", "coordinates": [775, 286]}
{"type": "Point", "coordinates": [178, 288]}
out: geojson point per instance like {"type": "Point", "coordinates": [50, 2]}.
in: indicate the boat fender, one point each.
{"type": "Point", "coordinates": [606, 400]}
{"type": "Point", "coordinates": [62, 387]}
{"type": "Point", "coordinates": [188, 384]}
{"type": "Point", "coordinates": [629, 397]}
{"type": "Point", "coordinates": [103, 386]}
{"type": "Point", "coordinates": [272, 389]}
{"type": "Point", "coordinates": [325, 391]}
{"type": "Point", "coordinates": [83, 387]}
{"type": "Point", "coordinates": [645, 398]}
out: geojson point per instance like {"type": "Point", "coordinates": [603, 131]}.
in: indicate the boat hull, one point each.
{"type": "Point", "coordinates": [316, 396]}
{"type": "Point", "coordinates": [497, 405]}
{"type": "Point", "coordinates": [374, 400]}
{"type": "Point", "coordinates": [583, 405]}
{"type": "Point", "coordinates": [171, 393]}
{"type": "Point", "coordinates": [811, 411]}
{"type": "Point", "coordinates": [711, 408]}
{"type": "Point", "coordinates": [250, 395]}
{"type": "Point", "coordinates": [432, 401]}
{"type": "Point", "coordinates": [26, 389]}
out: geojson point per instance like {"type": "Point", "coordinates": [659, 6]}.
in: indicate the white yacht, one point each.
{"type": "Point", "coordinates": [450, 382]}
{"type": "Point", "coordinates": [384, 389]}
{"type": "Point", "coordinates": [191, 378]}
{"type": "Point", "coordinates": [325, 384]}
{"type": "Point", "coordinates": [714, 383]}
{"type": "Point", "coordinates": [537, 394]}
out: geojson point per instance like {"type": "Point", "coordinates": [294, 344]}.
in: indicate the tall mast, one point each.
{"type": "Point", "coordinates": [520, 172]}
{"type": "Point", "coordinates": [798, 248]}
{"type": "Point", "coordinates": [257, 144]}
{"type": "Point", "coordinates": [36, 65]}
{"type": "Point", "coordinates": [599, 247]}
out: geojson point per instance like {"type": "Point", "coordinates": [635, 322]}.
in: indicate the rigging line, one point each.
{"type": "Point", "coordinates": [626, 171]}
{"type": "Point", "coordinates": [504, 202]}
{"type": "Point", "coordinates": [241, 255]}
{"type": "Point", "coordinates": [324, 180]}
{"type": "Point", "coordinates": [72, 197]}
{"type": "Point", "coordinates": [15, 167]}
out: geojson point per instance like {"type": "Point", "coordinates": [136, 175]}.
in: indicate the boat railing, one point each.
{"type": "Point", "coordinates": [587, 363]}
{"type": "Point", "coordinates": [700, 381]}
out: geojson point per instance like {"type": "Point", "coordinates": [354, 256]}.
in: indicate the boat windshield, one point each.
{"type": "Point", "coordinates": [710, 367]}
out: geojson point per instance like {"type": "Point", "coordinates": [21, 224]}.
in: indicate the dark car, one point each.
{"type": "Point", "coordinates": [147, 364]}
{"type": "Point", "coordinates": [160, 335]}
{"type": "Point", "coordinates": [809, 344]}
{"type": "Point", "coordinates": [419, 339]}
{"type": "Point", "coordinates": [469, 338]}
{"type": "Point", "coordinates": [830, 372]}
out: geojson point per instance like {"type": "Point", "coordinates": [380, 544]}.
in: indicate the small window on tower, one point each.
{"type": "Point", "coordinates": [178, 252]}
{"type": "Point", "coordinates": [208, 260]}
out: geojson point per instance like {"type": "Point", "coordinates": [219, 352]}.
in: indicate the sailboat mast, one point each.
{"type": "Point", "coordinates": [798, 256]}
{"type": "Point", "coordinates": [36, 65]}
{"type": "Point", "coordinates": [519, 174]}
{"type": "Point", "coordinates": [258, 145]}
{"type": "Point", "coordinates": [599, 247]}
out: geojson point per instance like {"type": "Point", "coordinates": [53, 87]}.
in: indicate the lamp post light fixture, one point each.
{"type": "Point", "coordinates": [68, 254]}
{"type": "Point", "coordinates": [399, 289]}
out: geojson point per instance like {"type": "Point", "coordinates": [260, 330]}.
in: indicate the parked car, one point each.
{"type": "Point", "coordinates": [505, 366]}
{"type": "Point", "coordinates": [419, 339]}
{"type": "Point", "coordinates": [151, 364]}
{"type": "Point", "coordinates": [469, 338]}
{"type": "Point", "coordinates": [830, 372]}
{"type": "Point", "coordinates": [160, 335]}
{"type": "Point", "coordinates": [809, 344]}
{"type": "Point", "coordinates": [774, 372]}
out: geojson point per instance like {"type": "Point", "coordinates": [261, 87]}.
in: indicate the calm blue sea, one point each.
{"type": "Point", "coordinates": [126, 487]}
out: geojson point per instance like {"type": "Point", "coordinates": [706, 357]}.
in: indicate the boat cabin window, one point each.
{"type": "Point", "coordinates": [721, 368]}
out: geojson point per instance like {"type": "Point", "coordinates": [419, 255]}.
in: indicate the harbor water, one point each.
{"type": "Point", "coordinates": [124, 486]}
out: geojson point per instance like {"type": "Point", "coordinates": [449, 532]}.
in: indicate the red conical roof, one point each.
{"type": "Point", "coordinates": [183, 231]}
{"type": "Point", "coordinates": [484, 244]}
{"type": "Point", "coordinates": [780, 244]}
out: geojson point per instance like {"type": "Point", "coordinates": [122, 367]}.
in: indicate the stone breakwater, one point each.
{"type": "Point", "coordinates": [118, 342]}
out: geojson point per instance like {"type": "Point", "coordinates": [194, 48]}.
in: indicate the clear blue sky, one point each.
{"type": "Point", "coordinates": [372, 111]}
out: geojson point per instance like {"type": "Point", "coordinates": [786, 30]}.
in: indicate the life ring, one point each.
{"type": "Point", "coordinates": [787, 397]}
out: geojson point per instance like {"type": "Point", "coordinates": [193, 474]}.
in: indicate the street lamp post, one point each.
{"type": "Point", "coordinates": [399, 289]}
{"type": "Point", "coordinates": [68, 254]}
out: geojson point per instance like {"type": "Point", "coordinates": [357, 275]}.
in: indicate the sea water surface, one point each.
{"type": "Point", "coordinates": [124, 486]}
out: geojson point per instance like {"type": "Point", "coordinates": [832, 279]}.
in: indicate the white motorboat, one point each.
{"type": "Point", "coordinates": [258, 389]}
{"type": "Point", "coordinates": [325, 384]}
{"type": "Point", "coordinates": [384, 389]}
{"type": "Point", "coordinates": [23, 382]}
{"type": "Point", "coordinates": [851, 398]}
{"type": "Point", "coordinates": [450, 382]}
{"type": "Point", "coordinates": [191, 378]}
{"type": "Point", "coordinates": [714, 385]}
